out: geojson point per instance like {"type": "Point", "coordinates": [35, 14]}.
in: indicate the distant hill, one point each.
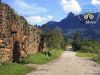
{"type": "Point", "coordinates": [71, 23]}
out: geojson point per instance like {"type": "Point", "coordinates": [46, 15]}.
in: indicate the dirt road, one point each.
{"type": "Point", "coordinates": [68, 64]}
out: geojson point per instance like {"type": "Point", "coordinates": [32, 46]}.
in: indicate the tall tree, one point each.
{"type": "Point", "coordinates": [77, 37]}
{"type": "Point", "coordinates": [76, 41]}
{"type": "Point", "coordinates": [53, 38]}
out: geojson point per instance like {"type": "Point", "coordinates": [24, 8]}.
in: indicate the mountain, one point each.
{"type": "Point", "coordinates": [72, 23]}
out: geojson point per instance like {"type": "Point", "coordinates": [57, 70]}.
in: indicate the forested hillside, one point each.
{"type": "Point", "coordinates": [70, 24]}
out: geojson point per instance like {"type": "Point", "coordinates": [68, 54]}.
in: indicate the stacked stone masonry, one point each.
{"type": "Point", "coordinates": [17, 37]}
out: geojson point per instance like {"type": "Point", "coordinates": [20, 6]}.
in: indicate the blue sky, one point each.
{"type": "Point", "coordinates": [42, 11]}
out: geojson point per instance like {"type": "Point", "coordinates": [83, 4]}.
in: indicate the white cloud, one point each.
{"type": "Point", "coordinates": [26, 9]}
{"type": "Point", "coordinates": [50, 17]}
{"type": "Point", "coordinates": [29, 10]}
{"type": "Point", "coordinates": [39, 19]}
{"type": "Point", "coordinates": [95, 2]}
{"type": "Point", "coordinates": [71, 6]}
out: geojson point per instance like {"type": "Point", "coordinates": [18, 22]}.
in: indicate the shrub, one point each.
{"type": "Point", "coordinates": [97, 58]}
{"type": "Point", "coordinates": [42, 58]}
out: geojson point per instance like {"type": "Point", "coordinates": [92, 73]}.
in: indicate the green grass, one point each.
{"type": "Point", "coordinates": [41, 58]}
{"type": "Point", "coordinates": [97, 58]}
{"type": "Point", "coordinates": [22, 69]}
{"type": "Point", "coordinates": [86, 55]}
{"type": "Point", "coordinates": [93, 56]}
{"type": "Point", "coordinates": [90, 49]}
{"type": "Point", "coordinates": [14, 69]}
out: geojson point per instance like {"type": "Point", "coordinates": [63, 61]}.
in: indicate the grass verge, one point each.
{"type": "Point", "coordinates": [41, 58]}
{"type": "Point", "coordinates": [14, 69]}
{"type": "Point", "coordinates": [97, 58]}
{"type": "Point", "coordinates": [93, 56]}
{"type": "Point", "coordinates": [86, 55]}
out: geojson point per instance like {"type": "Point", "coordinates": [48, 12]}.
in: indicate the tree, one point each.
{"type": "Point", "coordinates": [77, 37]}
{"type": "Point", "coordinates": [76, 41]}
{"type": "Point", "coordinates": [53, 38]}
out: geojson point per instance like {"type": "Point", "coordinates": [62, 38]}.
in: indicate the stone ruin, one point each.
{"type": "Point", "coordinates": [17, 37]}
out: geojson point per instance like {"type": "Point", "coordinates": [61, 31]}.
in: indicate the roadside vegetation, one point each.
{"type": "Point", "coordinates": [87, 48]}
{"type": "Point", "coordinates": [13, 69]}
{"type": "Point", "coordinates": [52, 44]}
{"type": "Point", "coordinates": [42, 58]}
{"type": "Point", "coordinates": [86, 55]}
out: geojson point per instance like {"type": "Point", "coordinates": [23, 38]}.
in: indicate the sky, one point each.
{"type": "Point", "coordinates": [42, 11]}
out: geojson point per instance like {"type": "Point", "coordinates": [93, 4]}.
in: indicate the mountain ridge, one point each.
{"type": "Point", "coordinates": [72, 23]}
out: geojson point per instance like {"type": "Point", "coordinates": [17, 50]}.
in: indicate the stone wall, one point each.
{"type": "Point", "coordinates": [17, 37]}
{"type": "Point", "coordinates": [34, 40]}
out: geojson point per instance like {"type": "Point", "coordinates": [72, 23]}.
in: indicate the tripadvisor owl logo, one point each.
{"type": "Point", "coordinates": [89, 14]}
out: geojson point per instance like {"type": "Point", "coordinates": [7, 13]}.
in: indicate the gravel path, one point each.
{"type": "Point", "coordinates": [68, 64]}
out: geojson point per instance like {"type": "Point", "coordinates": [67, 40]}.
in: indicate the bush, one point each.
{"type": "Point", "coordinates": [97, 58]}
{"type": "Point", "coordinates": [53, 38]}
{"type": "Point", "coordinates": [42, 58]}
{"type": "Point", "coordinates": [76, 46]}
{"type": "Point", "coordinates": [90, 48]}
